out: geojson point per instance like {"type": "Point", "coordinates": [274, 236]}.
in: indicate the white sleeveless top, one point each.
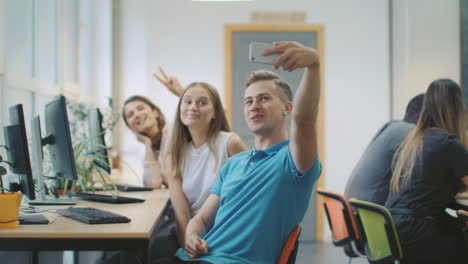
{"type": "Point", "coordinates": [201, 170]}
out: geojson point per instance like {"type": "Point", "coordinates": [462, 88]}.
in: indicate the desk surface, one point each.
{"type": "Point", "coordinates": [144, 217]}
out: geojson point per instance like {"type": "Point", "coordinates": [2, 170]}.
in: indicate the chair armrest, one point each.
{"type": "Point", "coordinates": [462, 215]}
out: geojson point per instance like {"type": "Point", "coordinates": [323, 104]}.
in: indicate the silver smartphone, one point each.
{"type": "Point", "coordinates": [256, 50]}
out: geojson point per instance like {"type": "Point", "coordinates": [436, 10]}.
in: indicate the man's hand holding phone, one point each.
{"type": "Point", "coordinates": [293, 55]}
{"type": "Point", "coordinates": [256, 53]}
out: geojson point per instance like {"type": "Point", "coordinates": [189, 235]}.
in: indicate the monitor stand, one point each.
{"type": "Point", "coordinates": [37, 158]}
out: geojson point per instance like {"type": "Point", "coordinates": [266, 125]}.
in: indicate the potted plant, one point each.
{"type": "Point", "coordinates": [88, 169]}
{"type": "Point", "coordinates": [9, 202]}
{"type": "Point", "coordinates": [89, 173]}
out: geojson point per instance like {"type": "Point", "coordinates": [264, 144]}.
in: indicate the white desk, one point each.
{"type": "Point", "coordinates": [69, 234]}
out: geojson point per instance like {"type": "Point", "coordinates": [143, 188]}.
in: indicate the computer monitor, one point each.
{"type": "Point", "coordinates": [97, 139]}
{"type": "Point", "coordinates": [58, 141]}
{"type": "Point", "coordinates": [16, 143]}
{"type": "Point", "coordinates": [60, 147]}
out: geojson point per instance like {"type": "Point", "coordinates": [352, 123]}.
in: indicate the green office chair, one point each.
{"type": "Point", "coordinates": [378, 231]}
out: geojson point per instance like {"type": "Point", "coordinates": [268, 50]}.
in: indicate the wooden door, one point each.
{"type": "Point", "coordinates": [238, 66]}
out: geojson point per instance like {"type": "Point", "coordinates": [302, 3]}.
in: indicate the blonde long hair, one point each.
{"type": "Point", "coordinates": [181, 135]}
{"type": "Point", "coordinates": [443, 108]}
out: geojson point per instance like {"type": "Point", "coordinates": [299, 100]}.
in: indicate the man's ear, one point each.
{"type": "Point", "coordinates": [288, 108]}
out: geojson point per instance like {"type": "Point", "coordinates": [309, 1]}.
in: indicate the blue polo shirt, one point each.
{"type": "Point", "coordinates": [262, 198]}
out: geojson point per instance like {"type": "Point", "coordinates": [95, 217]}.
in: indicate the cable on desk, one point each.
{"type": "Point", "coordinates": [53, 221]}
{"type": "Point", "coordinates": [133, 171]}
{"type": "Point", "coordinates": [8, 222]}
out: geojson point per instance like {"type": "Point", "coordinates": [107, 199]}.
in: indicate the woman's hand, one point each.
{"type": "Point", "coordinates": [142, 138]}
{"type": "Point", "coordinates": [170, 82]}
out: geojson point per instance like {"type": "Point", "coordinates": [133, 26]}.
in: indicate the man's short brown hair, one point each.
{"type": "Point", "coordinates": [264, 75]}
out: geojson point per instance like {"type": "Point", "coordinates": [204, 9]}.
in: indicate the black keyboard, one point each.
{"type": "Point", "coordinates": [93, 216]}
{"type": "Point", "coordinates": [35, 219]}
{"type": "Point", "coordinates": [106, 198]}
{"type": "Point", "coordinates": [132, 188]}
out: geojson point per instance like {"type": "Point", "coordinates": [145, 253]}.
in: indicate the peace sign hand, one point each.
{"type": "Point", "coordinates": [170, 82]}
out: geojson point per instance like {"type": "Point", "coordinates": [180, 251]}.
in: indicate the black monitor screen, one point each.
{"type": "Point", "coordinates": [98, 143]}
{"type": "Point", "coordinates": [60, 144]}
{"type": "Point", "coordinates": [18, 153]}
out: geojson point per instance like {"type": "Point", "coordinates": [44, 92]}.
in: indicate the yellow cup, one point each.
{"type": "Point", "coordinates": [9, 209]}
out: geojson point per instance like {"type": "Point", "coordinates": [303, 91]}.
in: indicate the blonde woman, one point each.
{"type": "Point", "coordinates": [429, 169]}
{"type": "Point", "coordinates": [200, 144]}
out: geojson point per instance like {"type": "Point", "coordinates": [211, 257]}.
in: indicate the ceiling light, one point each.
{"type": "Point", "coordinates": [221, 0]}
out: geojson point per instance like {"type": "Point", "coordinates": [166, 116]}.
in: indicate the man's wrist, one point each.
{"type": "Point", "coordinates": [314, 66]}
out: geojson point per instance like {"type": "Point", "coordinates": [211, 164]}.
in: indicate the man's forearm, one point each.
{"type": "Point", "coordinates": [196, 226]}
{"type": "Point", "coordinates": [181, 208]}
{"type": "Point", "coordinates": [203, 221]}
{"type": "Point", "coordinates": [306, 101]}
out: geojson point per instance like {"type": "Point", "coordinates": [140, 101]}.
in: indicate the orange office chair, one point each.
{"type": "Point", "coordinates": [289, 251]}
{"type": "Point", "coordinates": [342, 223]}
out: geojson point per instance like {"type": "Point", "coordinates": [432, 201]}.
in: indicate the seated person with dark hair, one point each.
{"type": "Point", "coordinates": [261, 195]}
{"type": "Point", "coordinates": [429, 169]}
{"type": "Point", "coordinates": [370, 179]}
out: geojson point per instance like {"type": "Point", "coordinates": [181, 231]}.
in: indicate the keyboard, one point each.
{"type": "Point", "coordinates": [34, 219]}
{"type": "Point", "coordinates": [93, 216]}
{"type": "Point", "coordinates": [132, 188]}
{"type": "Point", "coordinates": [106, 198]}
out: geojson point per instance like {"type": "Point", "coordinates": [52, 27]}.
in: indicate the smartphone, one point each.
{"type": "Point", "coordinates": [256, 50]}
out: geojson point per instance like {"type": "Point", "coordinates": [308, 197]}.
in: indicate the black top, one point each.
{"type": "Point", "coordinates": [370, 179]}
{"type": "Point", "coordinates": [435, 181]}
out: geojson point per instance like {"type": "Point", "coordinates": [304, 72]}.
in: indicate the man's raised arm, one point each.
{"type": "Point", "coordinates": [303, 144]}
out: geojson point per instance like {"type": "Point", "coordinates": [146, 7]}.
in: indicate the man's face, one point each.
{"type": "Point", "coordinates": [265, 108]}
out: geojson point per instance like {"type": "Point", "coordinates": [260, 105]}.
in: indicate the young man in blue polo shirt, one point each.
{"type": "Point", "coordinates": [261, 195]}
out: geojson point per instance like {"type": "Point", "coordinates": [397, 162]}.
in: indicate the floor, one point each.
{"type": "Point", "coordinates": [309, 253]}
{"type": "Point", "coordinates": [323, 252]}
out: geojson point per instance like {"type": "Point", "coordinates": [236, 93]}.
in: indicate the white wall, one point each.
{"type": "Point", "coordinates": [426, 47]}
{"type": "Point", "coordinates": [2, 35]}
{"type": "Point", "coordinates": [133, 67]}
{"type": "Point", "coordinates": [102, 40]}
{"type": "Point", "coordinates": [2, 56]}
{"type": "Point", "coordinates": [2, 63]}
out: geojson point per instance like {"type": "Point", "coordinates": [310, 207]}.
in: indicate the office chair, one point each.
{"type": "Point", "coordinates": [342, 223]}
{"type": "Point", "coordinates": [378, 232]}
{"type": "Point", "coordinates": [463, 216]}
{"type": "Point", "coordinates": [290, 247]}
